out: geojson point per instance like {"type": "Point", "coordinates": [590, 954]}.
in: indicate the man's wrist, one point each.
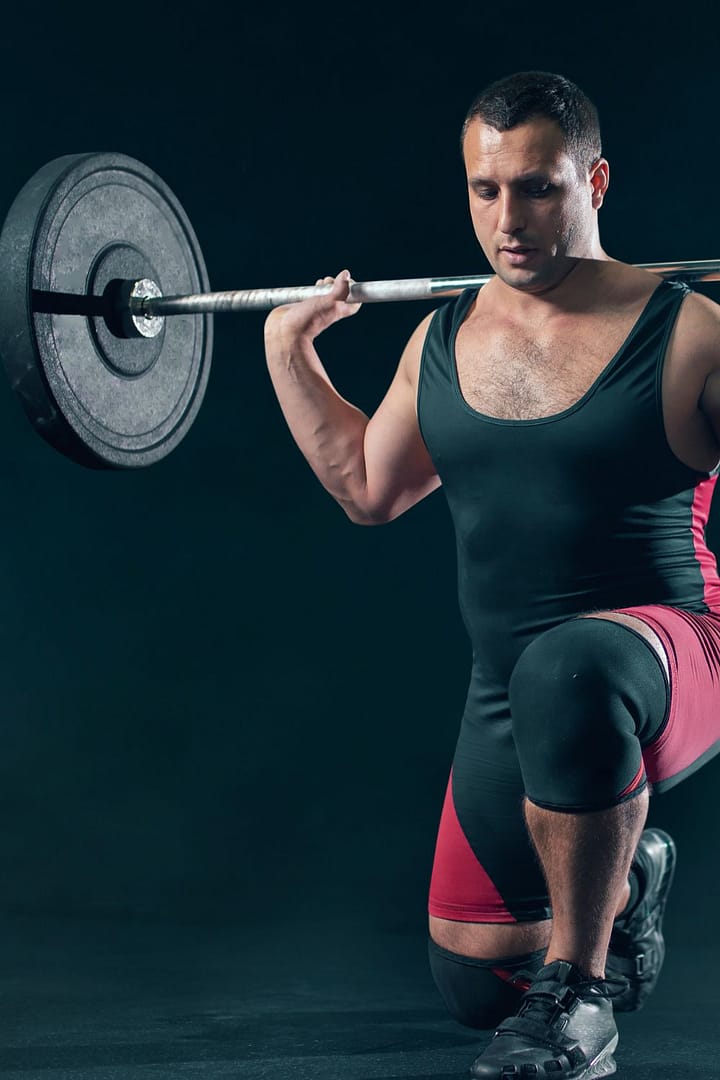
{"type": "Point", "coordinates": [283, 345]}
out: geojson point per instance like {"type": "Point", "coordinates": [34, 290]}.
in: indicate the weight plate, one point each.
{"type": "Point", "coordinates": [103, 400]}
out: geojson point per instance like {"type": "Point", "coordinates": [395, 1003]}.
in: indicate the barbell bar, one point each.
{"type": "Point", "coordinates": [106, 309]}
{"type": "Point", "coordinates": [144, 301]}
{"type": "Point", "coordinates": [146, 306]}
{"type": "Point", "coordinates": [365, 292]}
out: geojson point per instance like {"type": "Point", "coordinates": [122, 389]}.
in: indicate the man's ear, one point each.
{"type": "Point", "coordinates": [599, 180]}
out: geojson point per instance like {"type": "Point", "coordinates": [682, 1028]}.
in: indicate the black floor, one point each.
{"type": "Point", "coordinates": [101, 1001]}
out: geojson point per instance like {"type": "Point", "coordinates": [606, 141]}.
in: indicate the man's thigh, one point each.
{"type": "Point", "coordinates": [690, 735]}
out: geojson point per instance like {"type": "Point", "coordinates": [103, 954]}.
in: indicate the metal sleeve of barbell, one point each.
{"type": "Point", "coordinates": [370, 291]}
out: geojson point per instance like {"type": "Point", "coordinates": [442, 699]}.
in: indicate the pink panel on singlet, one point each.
{"type": "Point", "coordinates": [475, 898]}
{"type": "Point", "coordinates": [692, 644]}
{"type": "Point", "coordinates": [635, 782]}
{"type": "Point", "coordinates": [706, 559]}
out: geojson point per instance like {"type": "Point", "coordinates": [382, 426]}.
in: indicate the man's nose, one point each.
{"type": "Point", "coordinates": [512, 214]}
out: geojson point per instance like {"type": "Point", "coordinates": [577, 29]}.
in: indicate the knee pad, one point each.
{"type": "Point", "coordinates": [584, 698]}
{"type": "Point", "coordinates": [481, 993]}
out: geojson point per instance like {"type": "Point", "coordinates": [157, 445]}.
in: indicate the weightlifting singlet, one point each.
{"type": "Point", "coordinates": [585, 510]}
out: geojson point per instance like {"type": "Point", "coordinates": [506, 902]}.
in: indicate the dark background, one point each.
{"type": "Point", "coordinates": [221, 700]}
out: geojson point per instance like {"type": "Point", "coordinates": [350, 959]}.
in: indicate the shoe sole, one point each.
{"type": "Point", "coordinates": [603, 1065]}
{"type": "Point", "coordinates": [663, 887]}
{"type": "Point", "coordinates": [669, 872]}
{"type": "Point", "coordinates": [640, 991]}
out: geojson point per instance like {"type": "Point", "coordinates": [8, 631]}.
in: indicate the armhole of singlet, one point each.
{"type": "Point", "coordinates": [659, 372]}
{"type": "Point", "coordinates": [447, 310]}
{"type": "Point", "coordinates": [421, 371]}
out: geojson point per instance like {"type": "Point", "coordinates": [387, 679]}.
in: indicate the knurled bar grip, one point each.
{"type": "Point", "coordinates": [369, 292]}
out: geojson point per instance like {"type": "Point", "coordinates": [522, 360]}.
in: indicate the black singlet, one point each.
{"type": "Point", "coordinates": [584, 510]}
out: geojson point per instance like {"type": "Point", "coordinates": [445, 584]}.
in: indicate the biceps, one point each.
{"type": "Point", "coordinates": [399, 470]}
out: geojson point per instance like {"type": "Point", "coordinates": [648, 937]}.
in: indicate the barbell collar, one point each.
{"type": "Point", "coordinates": [366, 292]}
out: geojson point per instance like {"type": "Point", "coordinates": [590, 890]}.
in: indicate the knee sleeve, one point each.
{"type": "Point", "coordinates": [481, 993]}
{"type": "Point", "coordinates": [584, 698]}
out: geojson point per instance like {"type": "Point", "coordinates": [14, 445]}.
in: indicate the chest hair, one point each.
{"type": "Point", "coordinates": [512, 376]}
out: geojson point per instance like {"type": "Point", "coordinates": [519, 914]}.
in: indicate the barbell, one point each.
{"type": "Point", "coordinates": [106, 311]}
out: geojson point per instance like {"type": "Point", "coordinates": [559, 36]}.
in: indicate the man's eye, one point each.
{"type": "Point", "coordinates": [539, 191]}
{"type": "Point", "coordinates": [485, 193]}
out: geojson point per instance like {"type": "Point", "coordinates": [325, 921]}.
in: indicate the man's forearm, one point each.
{"type": "Point", "coordinates": [329, 430]}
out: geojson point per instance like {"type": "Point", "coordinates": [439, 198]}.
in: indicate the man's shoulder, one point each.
{"type": "Point", "coordinates": [627, 282]}
{"type": "Point", "coordinates": [698, 325]}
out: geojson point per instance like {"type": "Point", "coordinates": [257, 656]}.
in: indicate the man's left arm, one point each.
{"type": "Point", "coordinates": [691, 381]}
{"type": "Point", "coordinates": [710, 345]}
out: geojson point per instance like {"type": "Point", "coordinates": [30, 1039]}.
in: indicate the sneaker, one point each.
{"type": "Point", "coordinates": [563, 1030]}
{"type": "Point", "coordinates": [637, 945]}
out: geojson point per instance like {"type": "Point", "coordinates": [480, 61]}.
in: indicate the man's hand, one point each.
{"type": "Point", "coordinates": [309, 318]}
{"type": "Point", "coordinates": [374, 469]}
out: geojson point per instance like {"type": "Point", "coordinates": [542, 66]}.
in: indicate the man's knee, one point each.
{"type": "Point", "coordinates": [481, 993]}
{"type": "Point", "coordinates": [584, 697]}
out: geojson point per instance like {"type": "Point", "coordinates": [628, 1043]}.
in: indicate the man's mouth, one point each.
{"type": "Point", "coordinates": [517, 254]}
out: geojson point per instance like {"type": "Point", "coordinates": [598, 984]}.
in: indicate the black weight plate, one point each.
{"type": "Point", "coordinates": [102, 400]}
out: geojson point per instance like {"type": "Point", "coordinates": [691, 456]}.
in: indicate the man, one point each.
{"type": "Point", "coordinates": [571, 410]}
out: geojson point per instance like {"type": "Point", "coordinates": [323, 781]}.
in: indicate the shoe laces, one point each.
{"type": "Point", "coordinates": [548, 999]}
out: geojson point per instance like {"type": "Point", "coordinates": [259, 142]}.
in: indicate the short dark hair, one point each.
{"type": "Point", "coordinates": [513, 100]}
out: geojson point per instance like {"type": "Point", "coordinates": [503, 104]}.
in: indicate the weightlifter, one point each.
{"type": "Point", "coordinates": [571, 411]}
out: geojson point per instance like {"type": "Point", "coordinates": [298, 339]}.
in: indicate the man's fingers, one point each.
{"type": "Point", "coordinates": [341, 287]}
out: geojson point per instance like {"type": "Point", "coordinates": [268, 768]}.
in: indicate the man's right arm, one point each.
{"type": "Point", "coordinates": [374, 468]}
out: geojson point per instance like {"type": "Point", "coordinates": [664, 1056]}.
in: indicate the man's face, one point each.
{"type": "Point", "coordinates": [532, 210]}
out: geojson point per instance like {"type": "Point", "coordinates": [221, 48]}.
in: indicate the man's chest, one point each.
{"type": "Point", "coordinates": [524, 373]}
